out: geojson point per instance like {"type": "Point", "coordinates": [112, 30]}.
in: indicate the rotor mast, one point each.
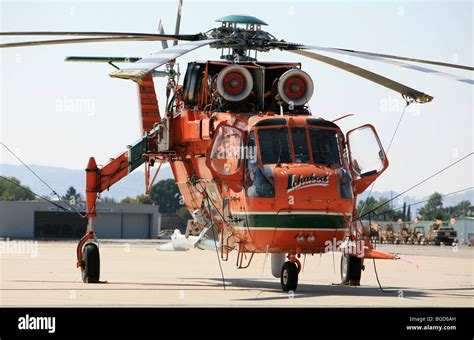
{"type": "Point", "coordinates": [240, 34]}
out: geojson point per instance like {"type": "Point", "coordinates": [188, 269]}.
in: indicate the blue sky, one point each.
{"type": "Point", "coordinates": [37, 86]}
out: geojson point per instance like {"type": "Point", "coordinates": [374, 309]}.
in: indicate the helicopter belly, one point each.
{"type": "Point", "coordinates": [305, 232]}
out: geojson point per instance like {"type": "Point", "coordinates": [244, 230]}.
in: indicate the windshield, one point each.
{"type": "Point", "coordinates": [325, 146]}
{"type": "Point", "coordinates": [300, 144]}
{"type": "Point", "coordinates": [274, 146]}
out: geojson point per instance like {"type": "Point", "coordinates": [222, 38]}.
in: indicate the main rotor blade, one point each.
{"type": "Point", "coordinates": [397, 63]}
{"type": "Point", "coordinates": [184, 37]}
{"type": "Point", "coordinates": [418, 96]}
{"type": "Point", "coordinates": [75, 41]}
{"type": "Point", "coordinates": [164, 43]}
{"type": "Point", "coordinates": [136, 71]}
{"type": "Point", "coordinates": [96, 59]}
{"type": "Point", "coordinates": [423, 61]}
{"type": "Point", "coordinates": [178, 20]}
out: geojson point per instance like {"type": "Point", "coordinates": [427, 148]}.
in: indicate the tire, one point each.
{"type": "Point", "coordinates": [351, 269]}
{"type": "Point", "coordinates": [91, 267]}
{"type": "Point", "coordinates": [289, 276]}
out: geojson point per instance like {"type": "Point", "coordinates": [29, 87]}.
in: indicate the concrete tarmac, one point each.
{"type": "Point", "coordinates": [134, 273]}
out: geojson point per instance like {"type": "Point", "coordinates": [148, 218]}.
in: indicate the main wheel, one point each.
{"type": "Point", "coordinates": [289, 276]}
{"type": "Point", "coordinates": [91, 267]}
{"type": "Point", "coordinates": [351, 269]}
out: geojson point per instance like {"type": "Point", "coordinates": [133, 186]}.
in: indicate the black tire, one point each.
{"type": "Point", "coordinates": [351, 268]}
{"type": "Point", "coordinates": [289, 276]}
{"type": "Point", "coordinates": [91, 266]}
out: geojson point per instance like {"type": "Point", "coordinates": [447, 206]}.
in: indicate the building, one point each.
{"type": "Point", "coordinates": [465, 228]}
{"type": "Point", "coordinates": [42, 220]}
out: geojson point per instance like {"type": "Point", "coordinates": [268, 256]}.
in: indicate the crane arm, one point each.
{"type": "Point", "coordinates": [101, 179]}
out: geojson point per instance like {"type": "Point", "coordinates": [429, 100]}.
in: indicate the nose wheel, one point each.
{"type": "Point", "coordinates": [289, 276]}
{"type": "Point", "coordinates": [90, 268]}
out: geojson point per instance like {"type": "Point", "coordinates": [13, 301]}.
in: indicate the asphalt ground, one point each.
{"type": "Point", "coordinates": [134, 273]}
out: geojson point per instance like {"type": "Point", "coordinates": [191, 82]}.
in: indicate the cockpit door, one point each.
{"type": "Point", "coordinates": [367, 158]}
{"type": "Point", "coordinates": [226, 156]}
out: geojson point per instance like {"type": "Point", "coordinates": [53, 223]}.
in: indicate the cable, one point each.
{"type": "Point", "coordinates": [396, 129]}
{"type": "Point", "coordinates": [418, 184]}
{"type": "Point", "coordinates": [375, 267]}
{"type": "Point", "coordinates": [31, 170]}
{"type": "Point", "coordinates": [388, 148]}
{"type": "Point", "coordinates": [424, 201]}
{"type": "Point", "coordinates": [44, 182]}
{"type": "Point", "coordinates": [214, 236]}
{"type": "Point", "coordinates": [378, 281]}
{"type": "Point", "coordinates": [34, 193]}
{"type": "Point", "coordinates": [218, 257]}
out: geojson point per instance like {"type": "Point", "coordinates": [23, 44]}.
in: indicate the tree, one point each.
{"type": "Point", "coordinates": [408, 217]}
{"type": "Point", "coordinates": [433, 209]}
{"type": "Point", "coordinates": [183, 214]}
{"type": "Point", "coordinates": [144, 199]}
{"type": "Point", "coordinates": [381, 206]}
{"type": "Point", "coordinates": [140, 199]}
{"type": "Point", "coordinates": [11, 189]}
{"type": "Point", "coordinates": [129, 200]}
{"type": "Point", "coordinates": [107, 200]}
{"type": "Point", "coordinates": [72, 194]}
{"type": "Point", "coordinates": [462, 208]}
{"type": "Point", "coordinates": [165, 193]}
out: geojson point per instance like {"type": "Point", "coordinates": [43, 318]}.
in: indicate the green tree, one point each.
{"type": "Point", "coordinates": [183, 214]}
{"type": "Point", "coordinates": [140, 199]}
{"type": "Point", "coordinates": [166, 195]}
{"type": "Point", "coordinates": [72, 193]}
{"type": "Point", "coordinates": [107, 200]}
{"type": "Point", "coordinates": [433, 209]}
{"type": "Point", "coordinates": [462, 208]}
{"type": "Point", "coordinates": [144, 199]}
{"type": "Point", "coordinates": [382, 208]}
{"type": "Point", "coordinates": [408, 217]}
{"type": "Point", "coordinates": [11, 189]}
{"type": "Point", "coordinates": [129, 200]}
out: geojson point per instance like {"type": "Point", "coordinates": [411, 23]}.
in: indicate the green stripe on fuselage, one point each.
{"type": "Point", "coordinates": [294, 221]}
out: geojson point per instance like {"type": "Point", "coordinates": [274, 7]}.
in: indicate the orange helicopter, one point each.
{"type": "Point", "coordinates": [257, 172]}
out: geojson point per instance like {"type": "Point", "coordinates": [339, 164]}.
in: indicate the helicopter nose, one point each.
{"type": "Point", "coordinates": [304, 181]}
{"type": "Point", "coordinates": [305, 187]}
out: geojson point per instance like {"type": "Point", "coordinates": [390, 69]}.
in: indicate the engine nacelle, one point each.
{"type": "Point", "coordinates": [295, 87]}
{"type": "Point", "coordinates": [234, 83]}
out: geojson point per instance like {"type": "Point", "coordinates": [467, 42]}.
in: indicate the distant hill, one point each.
{"type": "Point", "coordinates": [447, 201]}
{"type": "Point", "coordinates": [60, 179]}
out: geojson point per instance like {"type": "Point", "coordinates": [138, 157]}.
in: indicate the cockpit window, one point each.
{"type": "Point", "coordinates": [300, 145]}
{"type": "Point", "coordinates": [274, 146]}
{"type": "Point", "coordinates": [325, 147]}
